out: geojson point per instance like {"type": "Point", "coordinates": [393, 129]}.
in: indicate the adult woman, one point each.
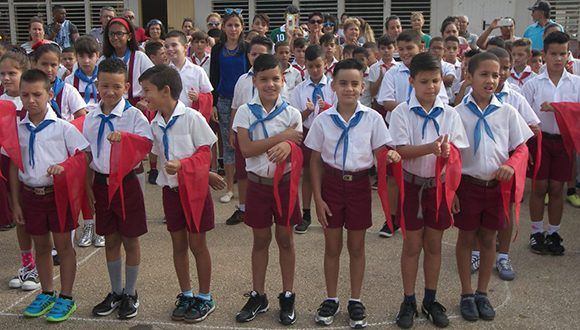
{"type": "Point", "coordinates": [187, 26]}
{"type": "Point", "coordinates": [154, 32]}
{"type": "Point", "coordinates": [315, 20]}
{"type": "Point", "coordinates": [213, 22]}
{"type": "Point", "coordinates": [36, 33]}
{"type": "Point", "coordinates": [366, 32]}
{"type": "Point", "coordinates": [417, 22]}
{"type": "Point", "coordinates": [449, 28]}
{"type": "Point", "coordinates": [351, 31]}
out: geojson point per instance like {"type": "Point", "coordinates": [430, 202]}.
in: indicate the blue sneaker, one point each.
{"type": "Point", "coordinates": [62, 310]}
{"type": "Point", "coordinates": [40, 306]}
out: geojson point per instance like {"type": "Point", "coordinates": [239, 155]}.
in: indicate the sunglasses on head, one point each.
{"type": "Point", "coordinates": [328, 24]}
{"type": "Point", "coordinates": [230, 11]}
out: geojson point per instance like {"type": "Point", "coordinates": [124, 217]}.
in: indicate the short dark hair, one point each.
{"type": "Point", "coordinates": [163, 75]}
{"type": "Point", "coordinates": [500, 53]}
{"type": "Point", "coordinates": [410, 36]}
{"type": "Point", "coordinates": [46, 48]}
{"type": "Point", "coordinates": [348, 48]}
{"type": "Point", "coordinates": [299, 43]}
{"type": "Point", "coordinates": [315, 13]}
{"type": "Point", "coordinates": [313, 52]}
{"type": "Point", "coordinates": [35, 75]}
{"type": "Point", "coordinates": [57, 7]}
{"type": "Point", "coordinates": [348, 64]}
{"type": "Point", "coordinates": [199, 35]}
{"type": "Point", "coordinates": [279, 44]}
{"type": "Point", "coordinates": [496, 41]}
{"type": "Point", "coordinates": [177, 34]}
{"type": "Point", "coordinates": [471, 53]}
{"type": "Point", "coordinates": [87, 45]}
{"type": "Point", "coordinates": [69, 49]}
{"type": "Point", "coordinates": [556, 38]}
{"type": "Point", "coordinates": [369, 45]}
{"type": "Point", "coordinates": [151, 48]}
{"type": "Point", "coordinates": [389, 19]}
{"type": "Point", "coordinates": [385, 40]}
{"type": "Point", "coordinates": [265, 62]}
{"type": "Point", "coordinates": [360, 50]}
{"type": "Point", "coordinates": [424, 62]}
{"type": "Point", "coordinates": [536, 53]}
{"type": "Point", "coordinates": [264, 41]}
{"type": "Point", "coordinates": [327, 38]}
{"type": "Point", "coordinates": [436, 39]}
{"type": "Point", "coordinates": [215, 33]}
{"type": "Point", "coordinates": [291, 9]}
{"type": "Point", "coordinates": [113, 65]}
{"type": "Point", "coordinates": [263, 16]}
{"type": "Point", "coordinates": [451, 39]}
{"type": "Point", "coordinates": [476, 61]}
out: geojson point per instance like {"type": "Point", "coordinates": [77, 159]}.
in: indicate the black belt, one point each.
{"type": "Point", "coordinates": [345, 175]}
{"type": "Point", "coordinates": [39, 191]}
{"type": "Point", "coordinates": [479, 182]}
{"type": "Point", "coordinates": [101, 178]}
{"type": "Point", "coordinates": [266, 181]}
{"type": "Point", "coordinates": [550, 136]}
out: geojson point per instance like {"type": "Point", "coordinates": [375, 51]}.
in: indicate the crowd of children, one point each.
{"type": "Point", "coordinates": [448, 133]}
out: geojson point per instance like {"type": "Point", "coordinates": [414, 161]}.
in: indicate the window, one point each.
{"type": "Point", "coordinates": [324, 6]}
{"type": "Point", "coordinates": [275, 10]}
{"type": "Point", "coordinates": [95, 11]}
{"type": "Point", "coordinates": [219, 6]}
{"type": "Point", "coordinates": [404, 8]}
{"type": "Point", "coordinates": [567, 13]}
{"type": "Point", "coordinates": [370, 10]}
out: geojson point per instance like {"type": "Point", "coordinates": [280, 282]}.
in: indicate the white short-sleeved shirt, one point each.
{"type": "Point", "coordinates": [130, 120]}
{"type": "Point", "coordinates": [407, 129]}
{"type": "Point", "coordinates": [53, 145]}
{"type": "Point", "coordinates": [541, 89]}
{"type": "Point", "coordinates": [202, 62]}
{"type": "Point", "coordinates": [329, 69]}
{"type": "Point", "coordinates": [189, 132]}
{"type": "Point", "coordinates": [61, 71]}
{"type": "Point", "coordinates": [192, 77]}
{"type": "Point", "coordinates": [519, 79]}
{"type": "Point", "coordinates": [292, 78]}
{"type": "Point", "coordinates": [302, 69]}
{"type": "Point", "coordinates": [303, 92]}
{"type": "Point", "coordinates": [513, 97]}
{"type": "Point", "coordinates": [370, 134]}
{"type": "Point", "coordinates": [509, 131]}
{"type": "Point", "coordinates": [261, 165]}
{"type": "Point", "coordinates": [366, 98]}
{"type": "Point", "coordinates": [80, 86]}
{"type": "Point", "coordinates": [244, 90]}
{"type": "Point", "coordinates": [448, 69]}
{"type": "Point", "coordinates": [71, 102]}
{"type": "Point", "coordinates": [14, 99]}
{"type": "Point", "coordinates": [140, 64]}
{"type": "Point", "coordinates": [377, 68]}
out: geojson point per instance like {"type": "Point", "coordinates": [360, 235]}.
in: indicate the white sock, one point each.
{"type": "Point", "coordinates": [242, 207]}
{"type": "Point", "coordinates": [501, 256]}
{"type": "Point", "coordinates": [354, 300]}
{"type": "Point", "coordinates": [475, 253]}
{"type": "Point", "coordinates": [553, 229]}
{"type": "Point", "coordinates": [537, 227]}
{"type": "Point", "coordinates": [335, 299]}
{"type": "Point", "coordinates": [89, 221]}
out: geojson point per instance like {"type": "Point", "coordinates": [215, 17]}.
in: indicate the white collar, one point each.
{"type": "Point", "coordinates": [178, 111]}
{"type": "Point", "coordinates": [333, 110]}
{"type": "Point", "coordinates": [494, 101]}
{"type": "Point", "coordinates": [324, 81]}
{"type": "Point", "coordinates": [117, 110]}
{"type": "Point", "coordinates": [50, 115]}
{"type": "Point", "coordinates": [414, 102]}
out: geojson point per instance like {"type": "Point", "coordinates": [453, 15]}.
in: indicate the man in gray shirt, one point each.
{"type": "Point", "coordinates": [106, 14]}
{"type": "Point", "coordinates": [463, 22]}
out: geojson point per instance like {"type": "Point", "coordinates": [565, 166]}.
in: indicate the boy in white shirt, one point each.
{"type": "Point", "coordinates": [378, 70]}
{"type": "Point", "coordinates": [329, 48]}
{"type": "Point", "coordinates": [437, 48]}
{"type": "Point", "coordinates": [521, 53]}
{"type": "Point", "coordinates": [299, 63]}
{"type": "Point", "coordinates": [199, 43]}
{"type": "Point", "coordinates": [361, 55]}
{"type": "Point", "coordinates": [292, 76]}
{"type": "Point", "coordinates": [84, 78]}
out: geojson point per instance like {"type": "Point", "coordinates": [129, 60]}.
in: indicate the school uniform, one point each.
{"type": "Point", "coordinates": [479, 193]}
{"type": "Point", "coordinates": [244, 92]}
{"type": "Point", "coordinates": [411, 125]}
{"type": "Point", "coordinates": [96, 128]}
{"type": "Point", "coordinates": [511, 95]}
{"type": "Point", "coordinates": [5, 211]}
{"type": "Point", "coordinates": [302, 69]}
{"type": "Point", "coordinates": [192, 77]}
{"type": "Point", "coordinates": [292, 77]}
{"type": "Point", "coordinates": [137, 62]}
{"type": "Point", "coordinates": [202, 62]}
{"type": "Point", "coordinates": [375, 72]}
{"type": "Point", "coordinates": [54, 141]}
{"type": "Point", "coordinates": [66, 100]}
{"type": "Point", "coordinates": [345, 183]}
{"type": "Point", "coordinates": [329, 69]}
{"type": "Point", "coordinates": [260, 202]}
{"type": "Point", "coordinates": [454, 88]}
{"type": "Point", "coordinates": [366, 98]}
{"type": "Point", "coordinates": [86, 86]}
{"type": "Point", "coordinates": [519, 79]}
{"type": "Point", "coordinates": [556, 164]}
{"type": "Point", "coordinates": [20, 113]}
{"type": "Point", "coordinates": [186, 131]}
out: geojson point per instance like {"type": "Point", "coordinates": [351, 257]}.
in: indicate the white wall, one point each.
{"type": "Point", "coordinates": [202, 9]}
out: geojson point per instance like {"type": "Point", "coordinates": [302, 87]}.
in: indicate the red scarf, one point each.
{"type": "Point", "coordinates": [452, 179]}
{"type": "Point", "coordinates": [387, 66]}
{"type": "Point", "coordinates": [204, 104]}
{"type": "Point", "coordinates": [568, 119]}
{"type": "Point", "coordinates": [382, 163]}
{"type": "Point", "coordinates": [518, 161]}
{"type": "Point", "coordinates": [194, 59]}
{"type": "Point", "coordinates": [193, 180]}
{"type": "Point", "coordinates": [79, 122]}
{"type": "Point", "coordinates": [302, 70]}
{"type": "Point", "coordinates": [9, 133]}
{"type": "Point", "coordinates": [522, 77]}
{"type": "Point", "coordinates": [69, 188]}
{"type": "Point", "coordinates": [125, 156]}
{"type": "Point", "coordinates": [296, 159]}
{"type": "Point", "coordinates": [330, 69]}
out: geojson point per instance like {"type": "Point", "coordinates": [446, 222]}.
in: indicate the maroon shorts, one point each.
{"type": "Point", "coordinates": [109, 220]}
{"type": "Point", "coordinates": [428, 209]}
{"type": "Point", "coordinates": [348, 201]}
{"type": "Point", "coordinates": [480, 207]}
{"type": "Point", "coordinates": [41, 216]}
{"type": "Point", "coordinates": [555, 164]}
{"type": "Point", "coordinates": [176, 217]}
{"type": "Point", "coordinates": [306, 152]}
{"type": "Point", "coordinates": [241, 173]}
{"type": "Point", "coordinates": [261, 206]}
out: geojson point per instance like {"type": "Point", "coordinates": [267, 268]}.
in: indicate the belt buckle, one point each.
{"type": "Point", "coordinates": [39, 191]}
{"type": "Point", "coordinates": [347, 177]}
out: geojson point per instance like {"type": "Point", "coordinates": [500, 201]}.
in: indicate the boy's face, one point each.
{"type": "Point", "coordinates": [175, 49]}
{"type": "Point", "coordinates": [521, 56]}
{"type": "Point", "coordinates": [111, 87]}
{"type": "Point", "coordinates": [269, 83]}
{"type": "Point", "coordinates": [328, 49]}
{"type": "Point", "coordinates": [387, 51]}
{"type": "Point", "coordinates": [315, 68]}
{"type": "Point", "coordinates": [34, 97]}
{"type": "Point", "coordinates": [451, 49]}
{"type": "Point", "coordinates": [427, 85]}
{"type": "Point", "coordinates": [87, 62]}
{"type": "Point", "coordinates": [283, 54]}
{"type": "Point", "coordinates": [160, 57]}
{"type": "Point", "coordinates": [199, 45]}
{"type": "Point", "coordinates": [556, 57]}
{"type": "Point", "coordinates": [260, 26]}
{"type": "Point", "coordinates": [436, 49]}
{"type": "Point", "coordinates": [299, 53]}
{"type": "Point", "coordinates": [256, 51]}
{"type": "Point", "coordinates": [485, 79]}
{"type": "Point", "coordinates": [48, 63]}
{"type": "Point", "coordinates": [505, 67]}
{"type": "Point", "coordinates": [348, 85]}
{"type": "Point", "coordinates": [407, 50]}
{"type": "Point", "coordinates": [373, 53]}
{"type": "Point", "coordinates": [346, 54]}
{"type": "Point", "coordinates": [536, 63]}
{"type": "Point", "coordinates": [68, 59]}
{"type": "Point", "coordinates": [156, 98]}
{"type": "Point", "coordinates": [362, 59]}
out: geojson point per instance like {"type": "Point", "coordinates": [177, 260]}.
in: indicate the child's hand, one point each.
{"type": "Point", "coordinates": [393, 156]}
{"type": "Point", "coordinates": [142, 105]}
{"type": "Point", "coordinates": [232, 139]}
{"type": "Point", "coordinates": [216, 182]}
{"type": "Point", "coordinates": [17, 214]}
{"type": "Point", "coordinates": [291, 134]}
{"type": "Point", "coordinates": [172, 166]}
{"type": "Point", "coordinates": [436, 146]}
{"type": "Point", "coordinates": [322, 210]}
{"type": "Point", "coordinates": [55, 170]}
{"type": "Point", "coordinates": [214, 115]}
{"type": "Point", "coordinates": [279, 152]}
{"type": "Point", "coordinates": [445, 147]}
{"type": "Point", "coordinates": [320, 101]}
{"type": "Point", "coordinates": [504, 173]}
{"type": "Point", "coordinates": [193, 95]}
{"type": "Point", "coordinates": [114, 137]}
{"type": "Point", "coordinates": [535, 129]}
{"type": "Point", "coordinates": [547, 107]}
{"type": "Point", "coordinates": [309, 105]}
{"type": "Point", "coordinates": [455, 206]}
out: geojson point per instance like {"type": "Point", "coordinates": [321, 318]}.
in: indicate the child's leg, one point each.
{"type": "Point", "coordinates": [43, 249]}
{"type": "Point", "coordinates": [181, 258]}
{"type": "Point", "coordinates": [556, 202]}
{"type": "Point", "coordinates": [68, 262]}
{"type": "Point", "coordinates": [24, 243]}
{"type": "Point", "coordinates": [152, 161]}
{"type": "Point", "coordinates": [487, 243]}
{"type": "Point", "coordinates": [132, 261]}
{"type": "Point", "coordinates": [242, 186]}
{"type": "Point", "coordinates": [537, 202]}
{"type": "Point", "coordinates": [463, 247]}
{"type": "Point", "coordinates": [198, 245]}
{"type": "Point", "coordinates": [285, 240]}
{"type": "Point", "coordinates": [356, 249]}
{"type": "Point", "coordinates": [262, 239]}
{"type": "Point", "coordinates": [332, 250]}
{"type": "Point", "coordinates": [504, 236]}
{"type": "Point", "coordinates": [412, 247]}
{"type": "Point", "coordinates": [306, 189]}
{"type": "Point", "coordinates": [432, 256]}
{"type": "Point", "coordinates": [114, 263]}
{"type": "Point", "coordinates": [393, 191]}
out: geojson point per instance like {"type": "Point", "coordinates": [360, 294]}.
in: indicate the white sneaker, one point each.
{"type": "Point", "coordinates": [86, 236]}
{"type": "Point", "coordinates": [227, 197]}
{"type": "Point", "coordinates": [31, 281]}
{"type": "Point", "coordinates": [16, 281]}
{"type": "Point", "coordinates": [99, 241]}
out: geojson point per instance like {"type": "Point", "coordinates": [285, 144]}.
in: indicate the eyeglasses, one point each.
{"type": "Point", "coordinates": [118, 34]}
{"type": "Point", "coordinates": [230, 11]}
{"type": "Point", "coordinates": [213, 24]}
{"type": "Point", "coordinates": [328, 24]}
{"type": "Point", "coordinates": [130, 18]}
{"type": "Point", "coordinates": [314, 21]}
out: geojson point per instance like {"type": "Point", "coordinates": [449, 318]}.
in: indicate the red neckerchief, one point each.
{"type": "Point", "coordinates": [518, 161]}
{"type": "Point", "coordinates": [397, 168]}
{"type": "Point", "coordinates": [9, 133]}
{"type": "Point", "coordinates": [387, 66]}
{"type": "Point", "coordinates": [79, 122]}
{"type": "Point", "coordinates": [296, 159]}
{"type": "Point", "coordinates": [330, 69]}
{"type": "Point", "coordinates": [204, 105]}
{"type": "Point", "coordinates": [193, 181]}
{"type": "Point", "coordinates": [570, 67]}
{"type": "Point", "coordinates": [568, 119]}
{"type": "Point", "coordinates": [69, 188]}
{"type": "Point", "coordinates": [302, 70]}
{"type": "Point", "coordinates": [452, 179]}
{"type": "Point", "coordinates": [522, 77]}
{"type": "Point", "coordinates": [194, 59]}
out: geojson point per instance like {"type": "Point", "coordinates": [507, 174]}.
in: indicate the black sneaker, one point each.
{"type": "Point", "coordinates": [182, 305]}
{"type": "Point", "coordinates": [200, 310]}
{"type": "Point", "coordinates": [386, 231]}
{"type": "Point", "coordinates": [468, 309]}
{"type": "Point", "coordinates": [357, 315]}
{"type": "Point", "coordinates": [326, 312]}
{"type": "Point", "coordinates": [484, 307]}
{"type": "Point", "coordinates": [537, 243]}
{"type": "Point", "coordinates": [129, 307]}
{"type": "Point", "coordinates": [407, 314]}
{"type": "Point", "coordinates": [302, 228]}
{"type": "Point", "coordinates": [108, 306]}
{"type": "Point", "coordinates": [55, 259]}
{"type": "Point", "coordinates": [237, 217]}
{"type": "Point", "coordinates": [152, 176]}
{"type": "Point", "coordinates": [256, 304]}
{"type": "Point", "coordinates": [287, 312]}
{"type": "Point", "coordinates": [554, 244]}
{"type": "Point", "coordinates": [436, 313]}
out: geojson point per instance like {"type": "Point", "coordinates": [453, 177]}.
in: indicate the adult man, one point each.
{"type": "Point", "coordinates": [61, 30]}
{"type": "Point", "coordinates": [463, 23]}
{"type": "Point", "coordinates": [541, 16]}
{"type": "Point", "coordinates": [106, 14]}
{"type": "Point", "coordinates": [139, 31]}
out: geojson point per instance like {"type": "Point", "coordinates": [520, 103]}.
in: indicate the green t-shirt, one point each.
{"type": "Point", "coordinates": [426, 40]}
{"type": "Point", "coordinates": [278, 34]}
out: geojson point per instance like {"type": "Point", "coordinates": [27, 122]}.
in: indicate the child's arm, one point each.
{"type": "Point", "coordinates": [15, 194]}
{"type": "Point", "coordinates": [376, 85]}
{"type": "Point", "coordinates": [89, 178]}
{"type": "Point", "coordinates": [255, 148]}
{"type": "Point", "coordinates": [461, 94]}
{"type": "Point", "coordinates": [322, 209]}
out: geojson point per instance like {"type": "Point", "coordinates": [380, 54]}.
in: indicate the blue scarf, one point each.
{"type": "Point", "coordinates": [317, 92]}
{"type": "Point", "coordinates": [165, 137]}
{"type": "Point", "coordinates": [431, 116]}
{"type": "Point", "coordinates": [32, 138]}
{"type": "Point", "coordinates": [91, 88]}
{"type": "Point", "coordinates": [344, 135]}
{"type": "Point", "coordinates": [107, 120]}
{"type": "Point", "coordinates": [481, 115]}
{"type": "Point", "coordinates": [126, 57]}
{"type": "Point", "coordinates": [256, 110]}
{"type": "Point", "coordinates": [57, 89]}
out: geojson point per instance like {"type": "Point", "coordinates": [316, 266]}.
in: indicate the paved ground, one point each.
{"type": "Point", "coordinates": [545, 293]}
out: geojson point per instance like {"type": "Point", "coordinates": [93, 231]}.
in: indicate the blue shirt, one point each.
{"type": "Point", "coordinates": [535, 32]}
{"type": "Point", "coordinates": [231, 68]}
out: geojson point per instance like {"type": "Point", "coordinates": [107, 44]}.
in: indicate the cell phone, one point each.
{"type": "Point", "coordinates": [290, 22]}
{"type": "Point", "coordinates": [505, 22]}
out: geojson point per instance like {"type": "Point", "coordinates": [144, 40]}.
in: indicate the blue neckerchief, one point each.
{"type": "Point", "coordinates": [106, 120]}
{"type": "Point", "coordinates": [256, 110]}
{"type": "Point", "coordinates": [126, 57]}
{"type": "Point", "coordinates": [317, 91]}
{"type": "Point", "coordinates": [500, 96]}
{"type": "Point", "coordinates": [344, 135]}
{"type": "Point", "coordinates": [432, 115]}
{"type": "Point", "coordinates": [33, 132]}
{"type": "Point", "coordinates": [90, 89]}
{"type": "Point", "coordinates": [481, 115]}
{"type": "Point", "coordinates": [57, 89]}
{"type": "Point", "coordinates": [165, 137]}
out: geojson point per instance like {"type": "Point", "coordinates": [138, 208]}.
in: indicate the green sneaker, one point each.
{"type": "Point", "coordinates": [199, 311]}
{"type": "Point", "coordinates": [40, 306]}
{"type": "Point", "coordinates": [574, 200]}
{"type": "Point", "coordinates": [62, 310]}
